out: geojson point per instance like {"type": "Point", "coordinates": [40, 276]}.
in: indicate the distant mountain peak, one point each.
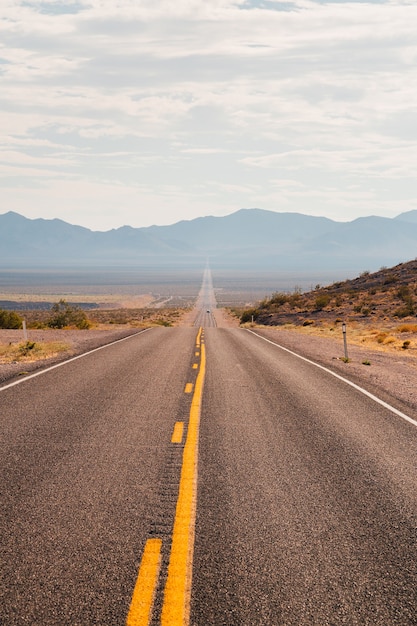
{"type": "Point", "coordinates": [408, 216]}
{"type": "Point", "coordinates": [247, 238]}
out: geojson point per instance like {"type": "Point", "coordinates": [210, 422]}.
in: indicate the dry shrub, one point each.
{"type": "Point", "coordinates": [31, 351]}
{"type": "Point", "coordinates": [381, 337]}
{"type": "Point", "coordinates": [407, 328]}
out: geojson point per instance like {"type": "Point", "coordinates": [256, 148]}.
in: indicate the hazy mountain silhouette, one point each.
{"type": "Point", "coordinates": [408, 216]}
{"type": "Point", "coordinates": [247, 238]}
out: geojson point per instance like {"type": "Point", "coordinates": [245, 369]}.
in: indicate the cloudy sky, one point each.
{"type": "Point", "coordinates": [147, 112]}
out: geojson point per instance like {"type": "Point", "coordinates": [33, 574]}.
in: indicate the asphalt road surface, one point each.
{"type": "Point", "coordinates": [303, 512]}
{"type": "Point", "coordinates": [206, 303]}
{"type": "Point", "coordinates": [307, 496]}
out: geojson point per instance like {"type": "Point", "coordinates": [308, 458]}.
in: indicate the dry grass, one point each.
{"type": "Point", "coordinates": [136, 317]}
{"type": "Point", "coordinates": [407, 328]}
{"type": "Point", "coordinates": [391, 339]}
{"type": "Point", "coordinates": [113, 318]}
{"type": "Point", "coordinates": [30, 351]}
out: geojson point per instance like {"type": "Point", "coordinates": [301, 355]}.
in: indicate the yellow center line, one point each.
{"type": "Point", "coordinates": [144, 593]}
{"type": "Point", "coordinates": [177, 596]}
{"type": "Point", "coordinates": [176, 604]}
{"type": "Point", "coordinates": [198, 340]}
{"type": "Point", "coordinates": [178, 432]}
{"type": "Point", "coordinates": [197, 354]}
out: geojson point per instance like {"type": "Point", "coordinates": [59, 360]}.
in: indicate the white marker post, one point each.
{"type": "Point", "coordinates": [344, 340]}
{"type": "Point", "coordinates": [25, 333]}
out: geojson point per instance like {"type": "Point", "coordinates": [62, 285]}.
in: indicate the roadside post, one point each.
{"type": "Point", "coordinates": [25, 332]}
{"type": "Point", "coordinates": [344, 340]}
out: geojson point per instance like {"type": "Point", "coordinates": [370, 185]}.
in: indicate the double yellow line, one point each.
{"type": "Point", "coordinates": [177, 594]}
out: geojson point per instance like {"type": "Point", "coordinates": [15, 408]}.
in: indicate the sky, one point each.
{"type": "Point", "coordinates": [140, 112]}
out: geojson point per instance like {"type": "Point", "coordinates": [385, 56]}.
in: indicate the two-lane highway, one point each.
{"type": "Point", "coordinates": [207, 478]}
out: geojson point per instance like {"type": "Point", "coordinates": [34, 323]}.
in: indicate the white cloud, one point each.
{"type": "Point", "coordinates": [208, 104]}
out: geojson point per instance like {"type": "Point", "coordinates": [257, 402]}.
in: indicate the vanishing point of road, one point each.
{"type": "Point", "coordinates": [204, 475]}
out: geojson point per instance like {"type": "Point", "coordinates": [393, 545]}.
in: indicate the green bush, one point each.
{"type": "Point", "coordinates": [390, 279]}
{"type": "Point", "coordinates": [264, 304]}
{"type": "Point", "coordinates": [279, 298]}
{"type": "Point", "coordinates": [405, 311]}
{"type": "Point", "coordinates": [162, 322]}
{"type": "Point", "coordinates": [64, 314]}
{"type": "Point", "coordinates": [322, 301]}
{"type": "Point", "coordinates": [295, 299]}
{"type": "Point", "coordinates": [27, 347]}
{"type": "Point", "coordinates": [248, 314]}
{"type": "Point", "coordinates": [403, 293]}
{"type": "Point", "coordinates": [10, 319]}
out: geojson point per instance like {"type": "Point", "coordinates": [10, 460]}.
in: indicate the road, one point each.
{"type": "Point", "coordinates": [206, 303]}
{"type": "Point", "coordinates": [301, 511]}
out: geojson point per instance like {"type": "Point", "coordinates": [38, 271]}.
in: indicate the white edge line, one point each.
{"type": "Point", "coordinates": [74, 358]}
{"type": "Point", "coordinates": [345, 380]}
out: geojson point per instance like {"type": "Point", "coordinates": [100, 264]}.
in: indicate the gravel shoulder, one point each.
{"type": "Point", "coordinates": [79, 341]}
{"type": "Point", "coordinates": [390, 376]}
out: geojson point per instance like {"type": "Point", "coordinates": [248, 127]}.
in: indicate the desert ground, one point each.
{"type": "Point", "coordinates": [381, 352]}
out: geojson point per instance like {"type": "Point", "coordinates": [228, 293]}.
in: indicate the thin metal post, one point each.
{"type": "Point", "coordinates": [344, 340]}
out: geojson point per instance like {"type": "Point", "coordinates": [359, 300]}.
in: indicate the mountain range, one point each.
{"type": "Point", "coordinates": [248, 238]}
